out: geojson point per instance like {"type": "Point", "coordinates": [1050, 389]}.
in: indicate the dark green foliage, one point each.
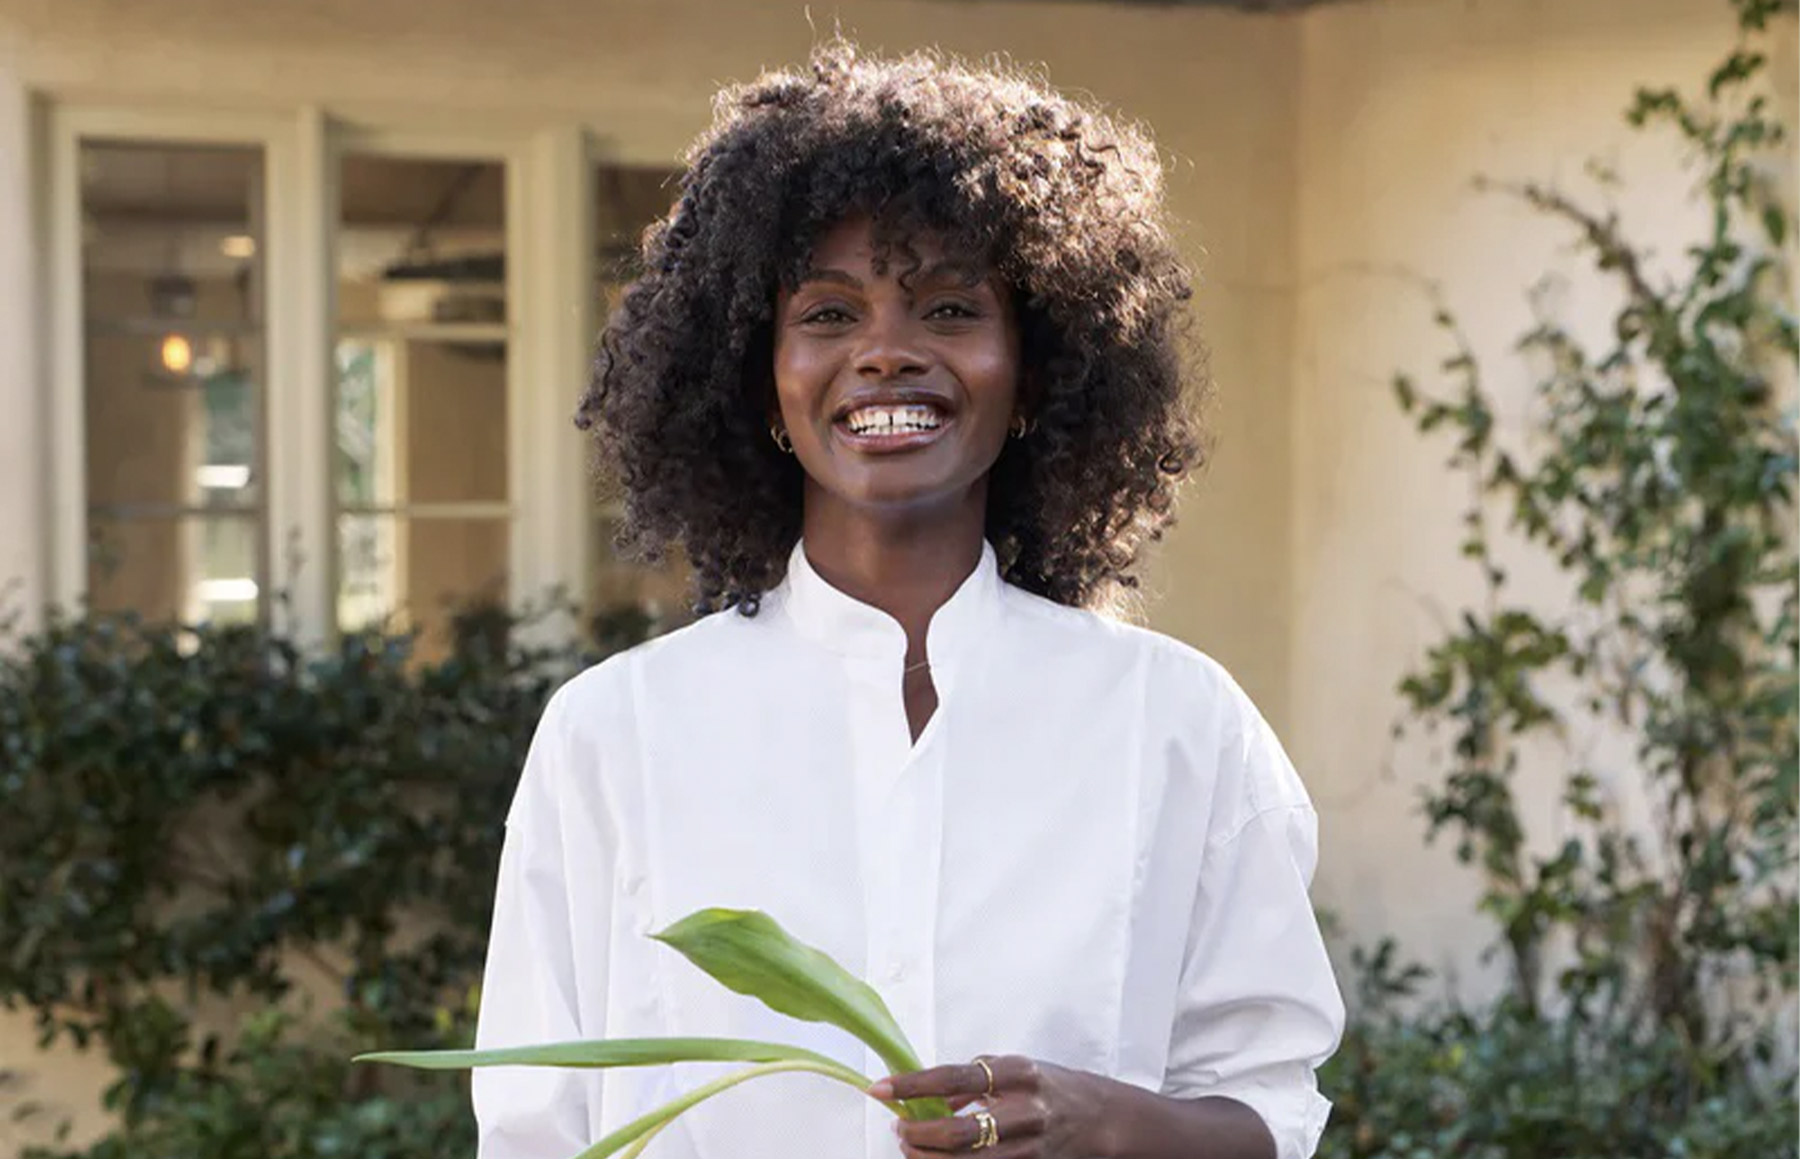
{"type": "Point", "coordinates": [1652, 966]}
{"type": "Point", "coordinates": [1507, 1083]}
{"type": "Point", "coordinates": [204, 825]}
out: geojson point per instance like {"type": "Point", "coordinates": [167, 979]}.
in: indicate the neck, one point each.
{"type": "Point", "coordinates": [907, 567]}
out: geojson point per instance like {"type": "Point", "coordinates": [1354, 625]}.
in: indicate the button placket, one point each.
{"type": "Point", "coordinates": [885, 826]}
{"type": "Point", "coordinates": [901, 859]}
{"type": "Point", "coordinates": [914, 856]}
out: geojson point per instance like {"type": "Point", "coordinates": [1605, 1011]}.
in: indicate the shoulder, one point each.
{"type": "Point", "coordinates": [1174, 671]}
{"type": "Point", "coordinates": [688, 659]}
{"type": "Point", "coordinates": [596, 720]}
{"type": "Point", "coordinates": [1192, 706]}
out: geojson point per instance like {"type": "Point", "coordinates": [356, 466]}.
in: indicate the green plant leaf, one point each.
{"type": "Point", "coordinates": [605, 1052]}
{"type": "Point", "coordinates": [638, 1133]}
{"type": "Point", "coordinates": [1775, 224]}
{"type": "Point", "coordinates": [748, 951]}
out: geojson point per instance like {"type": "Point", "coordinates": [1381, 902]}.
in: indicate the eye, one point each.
{"type": "Point", "coordinates": [826, 316]}
{"type": "Point", "coordinates": [952, 310]}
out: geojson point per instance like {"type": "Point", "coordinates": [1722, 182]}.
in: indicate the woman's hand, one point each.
{"type": "Point", "coordinates": [1040, 1111]}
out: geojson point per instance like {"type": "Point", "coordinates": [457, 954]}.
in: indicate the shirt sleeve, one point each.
{"type": "Point", "coordinates": [1259, 1008]}
{"type": "Point", "coordinates": [528, 992]}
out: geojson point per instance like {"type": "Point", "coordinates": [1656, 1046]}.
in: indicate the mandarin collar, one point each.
{"type": "Point", "coordinates": [852, 628]}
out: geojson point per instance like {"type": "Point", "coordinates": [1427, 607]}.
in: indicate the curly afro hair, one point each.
{"type": "Point", "coordinates": [1064, 204]}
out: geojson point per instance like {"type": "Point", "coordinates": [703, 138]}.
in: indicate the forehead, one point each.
{"type": "Point", "coordinates": [860, 247]}
{"type": "Point", "coordinates": [857, 242]}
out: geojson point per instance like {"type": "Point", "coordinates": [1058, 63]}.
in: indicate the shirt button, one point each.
{"type": "Point", "coordinates": [896, 972]}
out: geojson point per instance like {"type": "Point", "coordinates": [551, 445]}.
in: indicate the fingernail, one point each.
{"type": "Point", "coordinates": [882, 1089]}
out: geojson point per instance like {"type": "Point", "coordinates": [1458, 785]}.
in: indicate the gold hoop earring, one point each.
{"type": "Point", "coordinates": [1019, 428]}
{"type": "Point", "coordinates": [781, 440]}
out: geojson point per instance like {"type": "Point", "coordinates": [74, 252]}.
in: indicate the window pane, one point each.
{"type": "Point", "coordinates": [368, 570]}
{"type": "Point", "coordinates": [190, 568]}
{"type": "Point", "coordinates": [171, 299]}
{"type": "Point", "coordinates": [421, 409]}
{"type": "Point", "coordinates": [190, 443]}
{"type": "Point", "coordinates": [418, 571]}
{"type": "Point", "coordinates": [456, 423]}
{"type": "Point", "coordinates": [628, 199]}
{"type": "Point", "coordinates": [365, 419]}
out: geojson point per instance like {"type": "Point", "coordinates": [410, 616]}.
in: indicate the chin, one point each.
{"type": "Point", "coordinates": [901, 486]}
{"type": "Point", "coordinates": [897, 498]}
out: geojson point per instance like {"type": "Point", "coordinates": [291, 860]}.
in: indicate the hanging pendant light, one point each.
{"type": "Point", "coordinates": [177, 354]}
{"type": "Point", "coordinates": [174, 297]}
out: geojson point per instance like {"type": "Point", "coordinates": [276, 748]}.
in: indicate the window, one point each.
{"type": "Point", "coordinates": [171, 292]}
{"type": "Point", "coordinates": [422, 412]}
{"type": "Point", "coordinates": [322, 372]}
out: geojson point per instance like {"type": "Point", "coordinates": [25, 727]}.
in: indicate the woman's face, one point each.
{"type": "Point", "coordinates": [897, 398]}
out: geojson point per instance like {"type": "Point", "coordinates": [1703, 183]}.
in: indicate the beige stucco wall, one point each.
{"type": "Point", "coordinates": [1403, 104]}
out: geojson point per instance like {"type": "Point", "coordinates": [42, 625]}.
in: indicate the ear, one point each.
{"type": "Point", "coordinates": [764, 393]}
{"type": "Point", "coordinates": [1029, 395]}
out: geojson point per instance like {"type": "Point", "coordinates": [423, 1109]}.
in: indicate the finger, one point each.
{"type": "Point", "coordinates": [939, 1082]}
{"type": "Point", "coordinates": [1014, 1072]}
{"type": "Point", "coordinates": [1021, 1149]}
{"type": "Point", "coordinates": [942, 1136]}
{"type": "Point", "coordinates": [961, 1102]}
{"type": "Point", "coordinates": [1014, 1118]}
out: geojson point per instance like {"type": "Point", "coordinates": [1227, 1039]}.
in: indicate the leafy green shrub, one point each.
{"type": "Point", "coordinates": [198, 824]}
{"type": "Point", "coordinates": [1652, 968]}
{"type": "Point", "coordinates": [1504, 1082]}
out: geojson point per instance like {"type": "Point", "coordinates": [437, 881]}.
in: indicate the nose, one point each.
{"type": "Point", "coordinates": [890, 350]}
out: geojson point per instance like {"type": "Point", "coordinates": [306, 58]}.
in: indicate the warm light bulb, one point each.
{"type": "Point", "coordinates": [177, 354]}
{"type": "Point", "coordinates": [239, 245]}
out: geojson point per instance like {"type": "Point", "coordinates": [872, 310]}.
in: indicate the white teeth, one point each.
{"type": "Point", "coordinates": [882, 420]}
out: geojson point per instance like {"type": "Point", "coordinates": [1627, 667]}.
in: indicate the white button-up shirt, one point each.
{"type": "Point", "coordinates": [1096, 854]}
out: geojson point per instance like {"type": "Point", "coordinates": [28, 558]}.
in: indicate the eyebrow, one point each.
{"type": "Point", "coordinates": [837, 277]}
{"type": "Point", "coordinates": [966, 272]}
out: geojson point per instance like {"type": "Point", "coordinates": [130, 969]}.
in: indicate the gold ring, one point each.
{"type": "Point", "coordinates": [987, 1070]}
{"type": "Point", "coordinates": [990, 1130]}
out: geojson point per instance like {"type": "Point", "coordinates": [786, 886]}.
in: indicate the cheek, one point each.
{"type": "Point", "coordinates": [793, 375]}
{"type": "Point", "coordinates": [993, 379]}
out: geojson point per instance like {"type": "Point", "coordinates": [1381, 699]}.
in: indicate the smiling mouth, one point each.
{"type": "Point", "coordinates": [892, 427]}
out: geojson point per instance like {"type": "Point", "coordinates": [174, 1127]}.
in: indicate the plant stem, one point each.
{"type": "Point", "coordinates": [637, 1148]}
{"type": "Point", "coordinates": [640, 1130]}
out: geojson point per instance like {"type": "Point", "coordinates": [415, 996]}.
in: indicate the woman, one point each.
{"type": "Point", "coordinates": [901, 379]}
